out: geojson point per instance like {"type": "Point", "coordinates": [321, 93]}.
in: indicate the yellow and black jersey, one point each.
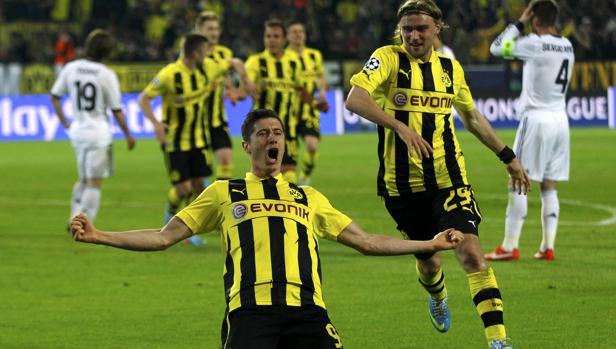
{"type": "Point", "coordinates": [311, 62]}
{"type": "Point", "coordinates": [277, 80]}
{"type": "Point", "coordinates": [183, 91]}
{"type": "Point", "coordinates": [421, 95]}
{"type": "Point", "coordinates": [269, 230]}
{"type": "Point", "coordinates": [214, 104]}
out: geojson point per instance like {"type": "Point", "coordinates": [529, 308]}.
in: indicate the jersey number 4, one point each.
{"type": "Point", "coordinates": [563, 75]}
{"type": "Point", "coordinates": [86, 96]}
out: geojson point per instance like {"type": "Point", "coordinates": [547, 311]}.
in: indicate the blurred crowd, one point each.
{"type": "Point", "coordinates": [46, 31]}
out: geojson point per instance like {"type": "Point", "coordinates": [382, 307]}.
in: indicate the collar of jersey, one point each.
{"type": "Point", "coordinates": [253, 177]}
{"type": "Point", "coordinates": [183, 65]}
{"type": "Point", "coordinates": [433, 56]}
{"type": "Point", "coordinates": [269, 54]}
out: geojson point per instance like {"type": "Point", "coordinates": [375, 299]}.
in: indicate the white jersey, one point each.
{"type": "Point", "coordinates": [447, 51]}
{"type": "Point", "coordinates": [548, 65]}
{"type": "Point", "coordinates": [92, 87]}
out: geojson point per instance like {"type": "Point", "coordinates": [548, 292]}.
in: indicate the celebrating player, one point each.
{"type": "Point", "coordinates": [422, 173]}
{"type": "Point", "coordinates": [269, 231]}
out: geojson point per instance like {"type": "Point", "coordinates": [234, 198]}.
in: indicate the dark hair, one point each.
{"type": "Point", "coordinates": [205, 16]}
{"type": "Point", "coordinates": [273, 23]}
{"type": "Point", "coordinates": [251, 119]}
{"type": "Point", "coordinates": [546, 11]}
{"type": "Point", "coordinates": [192, 42]}
{"type": "Point", "coordinates": [99, 44]}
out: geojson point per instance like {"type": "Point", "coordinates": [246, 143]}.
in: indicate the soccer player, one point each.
{"type": "Point", "coordinates": [184, 85]}
{"type": "Point", "coordinates": [92, 88]}
{"type": "Point", "coordinates": [422, 173]}
{"type": "Point", "coordinates": [311, 61]}
{"type": "Point", "coordinates": [542, 140]}
{"type": "Point", "coordinates": [278, 75]}
{"type": "Point", "coordinates": [270, 229]}
{"type": "Point", "coordinates": [208, 25]}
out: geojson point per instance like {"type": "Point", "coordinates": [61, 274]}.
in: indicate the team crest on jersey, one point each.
{"type": "Point", "coordinates": [400, 99]}
{"type": "Point", "coordinates": [373, 64]}
{"type": "Point", "coordinates": [296, 194]}
{"type": "Point", "coordinates": [174, 175]}
{"type": "Point", "coordinates": [239, 211]}
{"type": "Point", "coordinates": [445, 78]}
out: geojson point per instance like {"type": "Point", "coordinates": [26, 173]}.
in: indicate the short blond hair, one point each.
{"type": "Point", "coordinates": [205, 16]}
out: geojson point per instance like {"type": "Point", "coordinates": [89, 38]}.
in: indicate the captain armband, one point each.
{"type": "Point", "coordinates": [507, 49]}
{"type": "Point", "coordinates": [506, 155]}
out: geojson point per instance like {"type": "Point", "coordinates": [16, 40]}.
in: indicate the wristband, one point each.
{"type": "Point", "coordinates": [519, 25]}
{"type": "Point", "coordinates": [506, 155]}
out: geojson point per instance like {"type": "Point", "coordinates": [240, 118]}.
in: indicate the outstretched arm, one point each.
{"type": "Point", "coordinates": [382, 245]}
{"type": "Point", "coordinates": [136, 240]}
{"type": "Point", "coordinates": [477, 124]}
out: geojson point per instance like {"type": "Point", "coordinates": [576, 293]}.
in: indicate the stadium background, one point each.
{"type": "Point", "coordinates": [56, 294]}
{"type": "Point", "coordinates": [37, 37]}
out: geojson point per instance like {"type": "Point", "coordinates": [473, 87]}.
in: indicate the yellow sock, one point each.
{"type": "Point", "coordinates": [224, 171]}
{"type": "Point", "coordinates": [174, 199]}
{"type": "Point", "coordinates": [435, 285]}
{"type": "Point", "coordinates": [308, 161]}
{"type": "Point", "coordinates": [487, 299]}
{"type": "Point", "coordinates": [290, 176]}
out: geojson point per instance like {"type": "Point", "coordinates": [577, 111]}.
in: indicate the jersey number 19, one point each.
{"type": "Point", "coordinates": [86, 96]}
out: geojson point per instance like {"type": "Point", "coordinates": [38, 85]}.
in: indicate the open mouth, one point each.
{"type": "Point", "coordinates": [272, 154]}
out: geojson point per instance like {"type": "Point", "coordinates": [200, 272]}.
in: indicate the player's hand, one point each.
{"type": "Point", "coordinates": [448, 239]}
{"type": "Point", "coordinates": [250, 88]}
{"type": "Point", "coordinates": [414, 142]}
{"type": "Point", "coordinates": [82, 229]}
{"type": "Point", "coordinates": [322, 106]}
{"type": "Point", "coordinates": [130, 142]}
{"type": "Point", "coordinates": [160, 130]}
{"type": "Point", "coordinates": [527, 14]}
{"type": "Point", "coordinates": [519, 178]}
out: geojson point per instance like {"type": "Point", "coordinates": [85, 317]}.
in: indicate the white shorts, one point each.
{"type": "Point", "coordinates": [542, 145]}
{"type": "Point", "coordinates": [94, 162]}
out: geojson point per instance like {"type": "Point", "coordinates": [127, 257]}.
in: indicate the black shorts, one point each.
{"type": "Point", "coordinates": [422, 215]}
{"type": "Point", "coordinates": [309, 127]}
{"type": "Point", "coordinates": [281, 327]}
{"type": "Point", "coordinates": [220, 137]}
{"type": "Point", "coordinates": [290, 152]}
{"type": "Point", "coordinates": [184, 165]}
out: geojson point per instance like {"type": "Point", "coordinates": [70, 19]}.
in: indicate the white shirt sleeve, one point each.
{"type": "Point", "coordinates": [60, 86]}
{"type": "Point", "coordinates": [506, 45]}
{"type": "Point", "coordinates": [111, 90]}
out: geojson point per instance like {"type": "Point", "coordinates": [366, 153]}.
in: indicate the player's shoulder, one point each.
{"type": "Point", "coordinates": [226, 52]}
{"type": "Point", "coordinates": [443, 57]}
{"type": "Point", "coordinates": [290, 53]}
{"type": "Point", "coordinates": [313, 51]}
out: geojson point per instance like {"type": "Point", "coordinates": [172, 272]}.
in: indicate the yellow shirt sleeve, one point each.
{"type": "Point", "coordinates": [328, 222]}
{"type": "Point", "coordinates": [252, 68]}
{"type": "Point", "coordinates": [376, 71]}
{"type": "Point", "coordinates": [319, 62]}
{"type": "Point", "coordinates": [215, 68]}
{"type": "Point", "coordinates": [158, 86]}
{"type": "Point", "coordinates": [463, 100]}
{"type": "Point", "coordinates": [203, 215]}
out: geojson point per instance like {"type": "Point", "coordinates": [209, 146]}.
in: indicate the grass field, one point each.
{"type": "Point", "coordinates": [55, 293]}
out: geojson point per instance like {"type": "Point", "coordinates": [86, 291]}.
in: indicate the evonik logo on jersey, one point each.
{"type": "Point", "coordinates": [260, 208]}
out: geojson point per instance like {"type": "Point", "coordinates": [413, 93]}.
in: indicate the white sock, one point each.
{"type": "Point", "coordinates": [516, 213]}
{"type": "Point", "coordinates": [550, 209]}
{"type": "Point", "coordinates": [90, 201]}
{"type": "Point", "coordinates": [76, 198]}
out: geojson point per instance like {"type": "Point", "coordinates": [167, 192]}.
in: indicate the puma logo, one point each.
{"type": "Point", "coordinates": [404, 73]}
{"type": "Point", "coordinates": [239, 191]}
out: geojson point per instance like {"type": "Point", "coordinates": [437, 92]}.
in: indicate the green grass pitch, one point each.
{"type": "Point", "coordinates": [55, 293]}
